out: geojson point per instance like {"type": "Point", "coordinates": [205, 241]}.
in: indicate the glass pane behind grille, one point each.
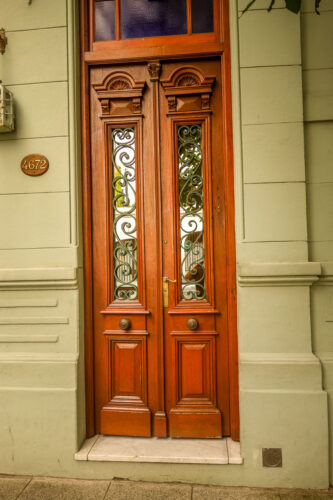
{"type": "Point", "coordinates": [124, 214]}
{"type": "Point", "coordinates": [191, 212]}
{"type": "Point", "coordinates": [145, 18]}
{"type": "Point", "coordinates": [105, 20]}
{"type": "Point", "coordinates": [202, 16]}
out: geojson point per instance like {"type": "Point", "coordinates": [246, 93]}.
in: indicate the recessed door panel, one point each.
{"type": "Point", "coordinates": [128, 377]}
{"type": "Point", "coordinates": [195, 361]}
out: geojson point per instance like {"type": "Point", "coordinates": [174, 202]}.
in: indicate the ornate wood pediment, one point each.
{"type": "Point", "coordinates": [120, 94]}
{"type": "Point", "coordinates": [185, 84]}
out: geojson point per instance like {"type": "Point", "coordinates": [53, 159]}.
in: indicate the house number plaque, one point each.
{"type": "Point", "coordinates": [34, 165]}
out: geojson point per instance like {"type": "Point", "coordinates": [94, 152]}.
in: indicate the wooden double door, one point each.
{"type": "Point", "coordinates": [159, 249]}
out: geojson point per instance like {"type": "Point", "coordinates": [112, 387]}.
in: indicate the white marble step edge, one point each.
{"type": "Point", "coordinates": [127, 449]}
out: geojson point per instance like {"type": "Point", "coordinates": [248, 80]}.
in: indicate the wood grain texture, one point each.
{"type": "Point", "coordinates": [192, 360]}
{"type": "Point", "coordinates": [87, 224]}
{"type": "Point", "coordinates": [126, 364]}
{"type": "Point", "coordinates": [230, 226]}
{"type": "Point", "coordinates": [206, 404]}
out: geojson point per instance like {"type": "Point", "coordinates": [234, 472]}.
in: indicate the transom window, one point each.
{"type": "Point", "coordinates": [124, 19]}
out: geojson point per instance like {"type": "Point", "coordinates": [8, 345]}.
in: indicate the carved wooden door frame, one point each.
{"type": "Point", "coordinates": [91, 56]}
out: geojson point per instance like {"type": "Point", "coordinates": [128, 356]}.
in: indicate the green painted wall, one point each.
{"type": "Point", "coordinates": [281, 380]}
{"type": "Point", "coordinates": [282, 400]}
{"type": "Point", "coordinates": [41, 389]}
{"type": "Point", "coordinates": [317, 63]}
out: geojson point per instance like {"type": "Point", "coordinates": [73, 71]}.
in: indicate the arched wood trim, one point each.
{"type": "Point", "coordinates": [188, 80]}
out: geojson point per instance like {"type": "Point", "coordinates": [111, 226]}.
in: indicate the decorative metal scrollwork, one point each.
{"type": "Point", "coordinates": [124, 214]}
{"type": "Point", "coordinates": [191, 205]}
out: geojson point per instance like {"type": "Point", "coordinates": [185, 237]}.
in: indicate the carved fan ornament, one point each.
{"type": "Point", "coordinates": [120, 94]}
{"type": "Point", "coordinates": [188, 81]}
{"type": "Point", "coordinates": [119, 84]}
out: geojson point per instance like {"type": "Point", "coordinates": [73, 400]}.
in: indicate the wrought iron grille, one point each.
{"type": "Point", "coordinates": [124, 214]}
{"type": "Point", "coordinates": [191, 212]}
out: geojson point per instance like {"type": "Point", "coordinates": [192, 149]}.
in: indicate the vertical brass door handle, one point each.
{"type": "Point", "coordinates": [165, 290]}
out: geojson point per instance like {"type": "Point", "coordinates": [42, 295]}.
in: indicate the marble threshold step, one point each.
{"type": "Point", "coordinates": [185, 451]}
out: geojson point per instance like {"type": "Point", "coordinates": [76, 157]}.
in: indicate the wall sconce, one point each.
{"type": "Point", "coordinates": [6, 96]}
{"type": "Point", "coordinates": [6, 110]}
{"type": "Point", "coordinates": [3, 41]}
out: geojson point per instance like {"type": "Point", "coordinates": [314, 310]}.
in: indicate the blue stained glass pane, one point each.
{"type": "Point", "coordinates": [105, 20]}
{"type": "Point", "coordinates": [145, 18]}
{"type": "Point", "coordinates": [202, 16]}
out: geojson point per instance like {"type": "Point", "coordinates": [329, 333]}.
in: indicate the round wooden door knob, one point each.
{"type": "Point", "coordinates": [193, 323]}
{"type": "Point", "coordinates": [125, 324]}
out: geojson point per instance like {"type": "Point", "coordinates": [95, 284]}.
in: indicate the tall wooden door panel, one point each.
{"type": "Point", "coordinates": [194, 260]}
{"type": "Point", "coordinates": [159, 250]}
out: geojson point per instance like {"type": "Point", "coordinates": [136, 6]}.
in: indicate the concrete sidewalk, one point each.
{"type": "Point", "coordinates": [36, 488]}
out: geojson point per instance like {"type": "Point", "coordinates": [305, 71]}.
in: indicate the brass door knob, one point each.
{"type": "Point", "coordinates": [193, 323]}
{"type": "Point", "coordinates": [125, 324]}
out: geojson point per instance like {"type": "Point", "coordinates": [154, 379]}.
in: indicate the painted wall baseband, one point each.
{"type": "Point", "coordinates": [53, 278]}
{"type": "Point", "coordinates": [34, 320]}
{"type": "Point", "coordinates": [16, 303]}
{"type": "Point", "coordinates": [279, 274]}
{"type": "Point", "coordinates": [27, 339]}
{"type": "Point", "coordinates": [277, 280]}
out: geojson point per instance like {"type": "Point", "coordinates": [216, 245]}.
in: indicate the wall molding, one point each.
{"type": "Point", "coordinates": [34, 320]}
{"type": "Point", "coordinates": [27, 303]}
{"type": "Point", "coordinates": [43, 358]}
{"type": "Point", "coordinates": [38, 278]}
{"type": "Point", "coordinates": [279, 273]}
{"type": "Point", "coordinates": [280, 358]}
{"type": "Point", "coordinates": [326, 277]}
{"type": "Point", "coordinates": [325, 357]}
{"type": "Point", "coordinates": [28, 339]}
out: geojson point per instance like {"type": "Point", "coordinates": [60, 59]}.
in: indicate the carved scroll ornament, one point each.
{"type": "Point", "coordinates": [154, 69]}
{"type": "Point", "coordinates": [186, 82]}
{"type": "Point", "coordinates": [120, 94]}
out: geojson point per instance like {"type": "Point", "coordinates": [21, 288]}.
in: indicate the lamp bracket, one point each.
{"type": "Point", "coordinates": [3, 41]}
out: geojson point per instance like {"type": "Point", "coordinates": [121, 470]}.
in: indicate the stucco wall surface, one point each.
{"type": "Point", "coordinates": [41, 408]}
{"type": "Point", "coordinates": [282, 201]}
{"type": "Point", "coordinates": [317, 64]}
{"type": "Point", "coordinates": [275, 272]}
